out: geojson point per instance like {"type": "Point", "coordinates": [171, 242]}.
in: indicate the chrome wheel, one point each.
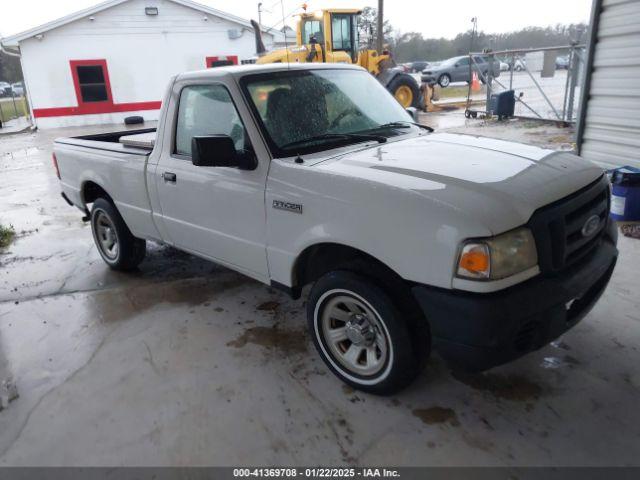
{"type": "Point", "coordinates": [106, 236]}
{"type": "Point", "coordinates": [354, 335]}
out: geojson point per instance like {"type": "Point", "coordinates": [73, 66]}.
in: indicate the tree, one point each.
{"type": "Point", "coordinates": [368, 29]}
{"type": "Point", "coordinates": [413, 46]}
{"type": "Point", "coordinates": [10, 70]}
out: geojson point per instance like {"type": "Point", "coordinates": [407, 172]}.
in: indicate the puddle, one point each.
{"type": "Point", "coordinates": [552, 363]}
{"type": "Point", "coordinates": [121, 304]}
{"type": "Point", "coordinates": [560, 344]}
{"type": "Point", "coordinates": [509, 387]}
{"type": "Point", "coordinates": [268, 306]}
{"type": "Point", "coordinates": [437, 415]}
{"type": "Point", "coordinates": [286, 342]}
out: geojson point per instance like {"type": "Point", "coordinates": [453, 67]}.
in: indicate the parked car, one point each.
{"type": "Point", "coordinates": [562, 62]}
{"type": "Point", "coordinates": [482, 249]}
{"type": "Point", "coordinates": [456, 69]}
{"type": "Point", "coordinates": [17, 89]}
{"type": "Point", "coordinates": [5, 89]}
{"type": "Point", "coordinates": [418, 66]}
{"type": "Point", "coordinates": [504, 66]}
{"type": "Point", "coordinates": [518, 63]}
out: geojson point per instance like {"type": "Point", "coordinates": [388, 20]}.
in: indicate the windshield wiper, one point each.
{"type": "Point", "coordinates": [356, 137]}
{"type": "Point", "coordinates": [403, 124]}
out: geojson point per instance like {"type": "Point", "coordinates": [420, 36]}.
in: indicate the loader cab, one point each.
{"type": "Point", "coordinates": [335, 30]}
{"type": "Point", "coordinates": [344, 33]}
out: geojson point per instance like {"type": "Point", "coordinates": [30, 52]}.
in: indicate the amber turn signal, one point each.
{"type": "Point", "coordinates": [474, 261]}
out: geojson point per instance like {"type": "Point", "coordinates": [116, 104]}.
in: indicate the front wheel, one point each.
{"type": "Point", "coordinates": [360, 334]}
{"type": "Point", "coordinates": [116, 244]}
{"type": "Point", "coordinates": [444, 80]}
{"type": "Point", "coordinates": [405, 90]}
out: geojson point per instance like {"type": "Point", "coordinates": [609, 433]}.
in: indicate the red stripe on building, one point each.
{"type": "Point", "coordinates": [93, 108]}
{"type": "Point", "coordinates": [89, 109]}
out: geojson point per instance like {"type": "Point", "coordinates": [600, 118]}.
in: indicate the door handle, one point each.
{"type": "Point", "coordinates": [169, 177]}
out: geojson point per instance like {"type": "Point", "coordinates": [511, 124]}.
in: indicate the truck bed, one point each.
{"type": "Point", "coordinates": [137, 142]}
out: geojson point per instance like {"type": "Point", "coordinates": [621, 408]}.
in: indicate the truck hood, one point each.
{"type": "Point", "coordinates": [497, 183]}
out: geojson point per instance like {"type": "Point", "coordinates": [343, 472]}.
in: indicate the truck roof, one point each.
{"type": "Point", "coordinates": [243, 70]}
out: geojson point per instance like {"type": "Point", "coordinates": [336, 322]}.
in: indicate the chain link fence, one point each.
{"type": "Point", "coordinates": [545, 82]}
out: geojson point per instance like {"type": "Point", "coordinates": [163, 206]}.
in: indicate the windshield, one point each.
{"type": "Point", "coordinates": [304, 111]}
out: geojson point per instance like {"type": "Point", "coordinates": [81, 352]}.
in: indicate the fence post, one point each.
{"type": "Point", "coordinates": [575, 71]}
{"type": "Point", "coordinates": [15, 108]}
{"type": "Point", "coordinates": [489, 80]}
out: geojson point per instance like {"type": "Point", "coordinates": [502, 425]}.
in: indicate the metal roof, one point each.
{"type": "Point", "coordinates": [14, 40]}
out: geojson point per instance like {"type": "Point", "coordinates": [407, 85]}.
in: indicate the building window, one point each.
{"type": "Point", "coordinates": [93, 88]}
{"type": "Point", "coordinates": [91, 81]}
{"type": "Point", "coordinates": [221, 61]}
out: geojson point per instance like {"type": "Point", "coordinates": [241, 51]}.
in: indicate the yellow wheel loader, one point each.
{"type": "Point", "coordinates": [331, 36]}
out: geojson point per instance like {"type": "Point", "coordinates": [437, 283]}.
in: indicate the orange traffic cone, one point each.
{"type": "Point", "coordinates": [475, 82]}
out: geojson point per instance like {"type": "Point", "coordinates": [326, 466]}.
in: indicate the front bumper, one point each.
{"type": "Point", "coordinates": [429, 78]}
{"type": "Point", "coordinates": [476, 331]}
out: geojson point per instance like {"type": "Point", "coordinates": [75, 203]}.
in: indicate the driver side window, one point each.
{"type": "Point", "coordinates": [312, 28]}
{"type": "Point", "coordinates": [207, 110]}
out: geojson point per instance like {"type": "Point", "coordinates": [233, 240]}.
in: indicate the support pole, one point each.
{"type": "Point", "coordinates": [380, 26]}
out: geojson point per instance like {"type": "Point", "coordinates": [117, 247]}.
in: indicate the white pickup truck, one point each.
{"type": "Point", "coordinates": [314, 174]}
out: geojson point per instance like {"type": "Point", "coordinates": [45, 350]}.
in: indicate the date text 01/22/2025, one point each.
{"type": "Point", "coordinates": [316, 472]}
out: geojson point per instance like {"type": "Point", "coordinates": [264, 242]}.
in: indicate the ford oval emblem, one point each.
{"type": "Point", "coordinates": [590, 226]}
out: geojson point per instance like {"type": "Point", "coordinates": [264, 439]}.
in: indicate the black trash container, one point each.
{"type": "Point", "coordinates": [503, 104]}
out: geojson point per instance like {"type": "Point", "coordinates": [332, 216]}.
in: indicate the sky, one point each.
{"type": "Point", "coordinates": [432, 18]}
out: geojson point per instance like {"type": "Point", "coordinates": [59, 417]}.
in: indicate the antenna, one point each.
{"type": "Point", "coordinates": [286, 43]}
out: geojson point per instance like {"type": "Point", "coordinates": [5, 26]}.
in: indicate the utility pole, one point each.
{"type": "Point", "coordinates": [380, 26]}
{"type": "Point", "coordinates": [260, 14]}
{"type": "Point", "coordinates": [474, 30]}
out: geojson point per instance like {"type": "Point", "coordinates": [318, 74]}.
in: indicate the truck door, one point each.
{"type": "Point", "coordinates": [215, 212]}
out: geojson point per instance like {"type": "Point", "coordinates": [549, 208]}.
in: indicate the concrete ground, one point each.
{"type": "Point", "coordinates": [187, 363]}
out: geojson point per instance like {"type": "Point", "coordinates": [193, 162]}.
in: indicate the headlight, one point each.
{"type": "Point", "coordinates": [498, 257]}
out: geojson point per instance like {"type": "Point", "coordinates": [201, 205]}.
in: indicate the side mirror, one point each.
{"type": "Point", "coordinates": [220, 151]}
{"type": "Point", "coordinates": [413, 111]}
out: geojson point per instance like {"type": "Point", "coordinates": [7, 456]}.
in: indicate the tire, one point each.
{"type": "Point", "coordinates": [133, 120]}
{"type": "Point", "coordinates": [405, 87]}
{"type": "Point", "coordinates": [385, 357]}
{"type": "Point", "coordinates": [444, 80]}
{"type": "Point", "coordinates": [108, 227]}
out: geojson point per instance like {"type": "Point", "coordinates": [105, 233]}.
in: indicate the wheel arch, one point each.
{"type": "Point", "coordinates": [91, 190]}
{"type": "Point", "coordinates": [321, 258]}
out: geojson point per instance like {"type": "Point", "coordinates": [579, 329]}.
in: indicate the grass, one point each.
{"type": "Point", "coordinates": [6, 236]}
{"type": "Point", "coordinates": [8, 111]}
{"type": "Point", "coordinates": [459, 91]}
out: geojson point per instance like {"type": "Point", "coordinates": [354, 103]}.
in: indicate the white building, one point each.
{"type": "Point", "coordinates": [114, 60]}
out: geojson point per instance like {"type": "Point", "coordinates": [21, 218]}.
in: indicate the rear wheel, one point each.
{"type": "Point", "coordinates": [116, 244]}
{"type": "Point", "coordinates": [361, 335]}
{"type": "Point", "coordinates": [405, 90]}
{"type": "Point", "coordinates": [444, 80]}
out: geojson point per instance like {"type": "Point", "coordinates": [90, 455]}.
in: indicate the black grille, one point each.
{"type": "Point", "coordinates": [557, 228]}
